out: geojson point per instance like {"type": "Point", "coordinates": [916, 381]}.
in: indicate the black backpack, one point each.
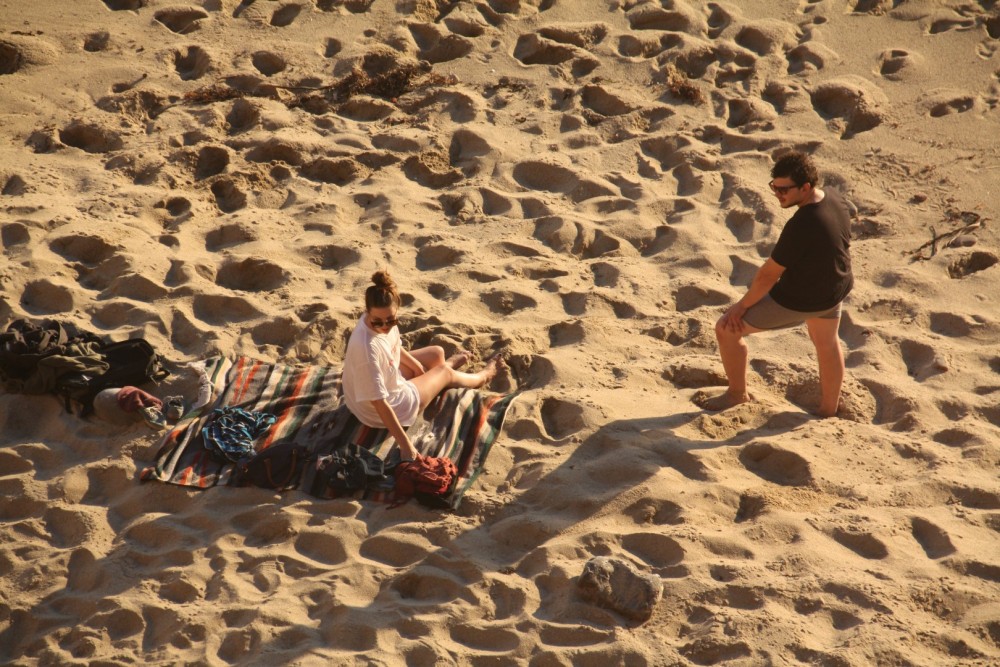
{"type": "Point", "coordinates": [350, 470]}
{"type": "Point", "coordinates": [132, 362]}
{"type": "Point", "coordinates": [278, 467]}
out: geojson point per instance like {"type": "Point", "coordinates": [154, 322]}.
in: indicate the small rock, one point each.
{"type": "Point", "coordinates": [919, 198]}
{"type": "Point", "coordinates": [615, 584]}
{"type": "Point", "coordinates": [963, 241]}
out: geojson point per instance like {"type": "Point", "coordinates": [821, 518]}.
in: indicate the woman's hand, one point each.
{"type": "Point", "coordinates": [396, 430]}
{"type": "Point", "coordinates": [412, 366]}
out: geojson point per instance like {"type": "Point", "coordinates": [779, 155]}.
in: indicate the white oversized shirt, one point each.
{"type": "Point", "coordinates": [371, 372]}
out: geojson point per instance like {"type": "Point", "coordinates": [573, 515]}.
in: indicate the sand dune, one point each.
{"type": "Point", "coordinates": [583, 184]}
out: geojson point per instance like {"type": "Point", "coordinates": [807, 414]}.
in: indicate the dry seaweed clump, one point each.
{"type": "Point", "coordinates": [388, 84]}
{"type": "Point", "coordinates": [680, 86]}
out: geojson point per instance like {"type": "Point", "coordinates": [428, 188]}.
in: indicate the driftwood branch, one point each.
{"type": "Point", "coordinates": [946, 236]}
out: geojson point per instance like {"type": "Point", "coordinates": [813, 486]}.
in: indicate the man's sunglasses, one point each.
{"type": "Point", "coordinates": [378, 324]}
{"type": "Point", "coordinates": [782, 189]}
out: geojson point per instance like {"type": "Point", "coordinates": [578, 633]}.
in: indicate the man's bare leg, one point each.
{"type": "Point", "coordinates": [734, 352]}
{"type": "Point", "coordinates": [830, 356]}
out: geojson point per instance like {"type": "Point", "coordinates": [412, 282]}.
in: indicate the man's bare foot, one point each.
{"type": "Point", "coordinates": [457, 360]}
{"type": "Point", "coordinates": [723, 401]}
{"type": "Point", "coordinates": [824, 414]}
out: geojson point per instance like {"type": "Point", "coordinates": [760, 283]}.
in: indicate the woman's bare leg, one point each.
{"type": "Point", "coordinates": [432, 357]}
{"type": "Point", "coordinates": [439, 378]}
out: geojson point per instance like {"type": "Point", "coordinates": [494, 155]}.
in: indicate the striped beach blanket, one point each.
{"type": "Point", "coordinates": [461, 424]}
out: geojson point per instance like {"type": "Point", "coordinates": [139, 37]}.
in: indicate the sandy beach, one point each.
{"type": "Point", "coordinates": [582, 184]}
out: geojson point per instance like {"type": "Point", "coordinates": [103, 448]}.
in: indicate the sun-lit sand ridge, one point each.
{"type": "Point", "coordinates": [582, 182]}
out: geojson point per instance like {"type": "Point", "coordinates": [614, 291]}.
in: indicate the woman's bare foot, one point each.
{"type": "Point", "coordinates": [723, 401]}
{"type": "Point", "coordinates": [493, 364]}
{"type": "Point", "coordinates": [457, 360]}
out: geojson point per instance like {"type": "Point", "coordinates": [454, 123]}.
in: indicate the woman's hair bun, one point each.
{"type": "Point", "coordinates": [383, 280]}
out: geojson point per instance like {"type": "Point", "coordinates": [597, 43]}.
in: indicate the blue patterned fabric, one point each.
{"type": "Point", "coordinates": [231, 431]}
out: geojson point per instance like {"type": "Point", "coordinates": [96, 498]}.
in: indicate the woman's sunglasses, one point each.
{"type": "Point", "coordinates": [378, 324]}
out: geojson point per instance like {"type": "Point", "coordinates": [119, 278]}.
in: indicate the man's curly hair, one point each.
{"type": "Point", "coordinates": [796, 166]}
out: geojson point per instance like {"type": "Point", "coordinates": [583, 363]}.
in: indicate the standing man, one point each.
{"type": "Point", "coordinates": [805, 280]}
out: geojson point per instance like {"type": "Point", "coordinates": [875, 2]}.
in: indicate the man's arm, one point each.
{"type": "Point", "coordinates": [391, 421]}
{"type": "Point", "coordinates": [762, 283]}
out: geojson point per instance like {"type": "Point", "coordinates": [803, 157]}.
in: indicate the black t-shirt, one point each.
{"type": "Point", "coordinates": [814, 247]}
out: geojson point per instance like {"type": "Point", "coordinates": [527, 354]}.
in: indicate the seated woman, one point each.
{"type": "Point", "coordinates": [387, 387]}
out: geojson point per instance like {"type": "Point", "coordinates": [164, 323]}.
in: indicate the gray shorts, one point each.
{"type": "Point", "coordinates": [767, 315]}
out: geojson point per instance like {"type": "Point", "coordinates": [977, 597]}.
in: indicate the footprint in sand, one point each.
{"type": "Point", "coordinates": [90, 137]}
{"type": "Point", "coordinates": [600, 101]}
{"type": "Point", "coordinates": [941, 25]}
{"type": "Point", "coordinates": [573, 238]}
{"type": "Point", "coordinates": [900, 64]}
{"type": "Point", "coordinates": [228, 196]}
{"type": "Point", "coordinates": [181, 20]}
{"type": "Point", "coordinates": [945, 103]}
{"type": "Point", "coordinates": [560, 418]}
{"type": "Point", "coordinates": [268, 63]}
{"type": "Point", "coordinates": [339, 171]}
{"type": "Point", "coordinates": [466, 152]}
{"type": "Point", "coordinates": [14, 186]}
{"type": "Point", "coordinates": [776, 465]}
{"type": "Point", "coordinates": [218, 309]}
{"type": "Point", "coordinates": [567, 333]}
{"type": "Point", "coordinates": [276, 150]}
{"type": "Point", "coordinates": [332, 257]}
{"type": "Point", "coordinates": [431, 170]}
{"type": "Point", "coordinates": [506, 302]}
{"type": "Point", "coordinates": [862, 543]}
{"type": "Point", "coordinates": [212, 160]}
{"type": "Point", "coordinates": [660, 552]}
{"type": "Point", "coordinates": [94, 42]}
{"type": "Point", "coordinates": [483, 638]}
{"type": "Point", "coordinates": [875, 7]}
{"type": "Point", "coordinates": [707, 651]}
{"type": "Point", "coordinates": [533, 49]}
{"type": "Point", "coordinates": [690, 297]}
{"type": "Point", "coordinates": [192, 64]}
{"type": "Point", "coordinates": [285, 15]}
{"type": "Point", "coordinates": [766, 37]}
{"type": "Point", "coordinates": [353, 6]}
{"type": "Point", "coordinates": [975, 568]}
{"type": "Point", "coordinates": [922, 361]}
{"type": "Point", "coordinates": [46, 297]}
{"type": "Point", "coordinates": [851, 105]}
{"type": "Point", "coordinates": [810, 57]}
{"type": "Point", "coordinates": [331, 47]}
{"type": "Point", "coordinates": [396, 550]}
{"type": "Point", "coordinates": [433, 256]}
{"type": "Point", "coordinates": [14, 234]}
{"type": "Point", "coordinates": [125, 5]}
{"type": "Point", "coordinates": [243, 115]}
{"type": "Point", "coordinates": [932, 538]}
{"type": "Point", "coordinates": [975, 497]}
{"type": "Point", "coordinates": [437, 47]}
{"type": "Point", "coordinates": [966, 265]}
{"type": "Point", "coordinates": [681, 19]}
{"type": "Point", "coordinates": [252, 274]}
{"type": "Point", "coordinates": [656, 512]}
